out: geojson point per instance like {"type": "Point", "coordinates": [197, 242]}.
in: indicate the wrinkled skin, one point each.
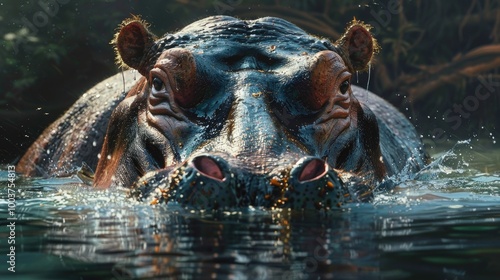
{"type": "Point", "coordinates": [232, 113]}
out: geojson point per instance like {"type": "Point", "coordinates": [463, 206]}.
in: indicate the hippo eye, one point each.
{"type": "Point", "coordinates": [158, 84]}
{"type": "Point", "coordinates": [344, 86]}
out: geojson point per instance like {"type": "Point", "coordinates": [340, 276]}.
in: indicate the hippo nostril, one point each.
{"type": "Point", "coordinates": [313, 170]}
{"type": "Point", "coordinates": [208, 167]}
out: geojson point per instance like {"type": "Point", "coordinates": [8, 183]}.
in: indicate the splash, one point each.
{"type": "Point", "coordinates": [455, 161]}
{"type": "Point", "coordinates": [450, 177]}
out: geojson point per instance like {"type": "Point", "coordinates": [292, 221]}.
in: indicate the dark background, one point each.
{"type": "Point", "coordinates": [439, 62]}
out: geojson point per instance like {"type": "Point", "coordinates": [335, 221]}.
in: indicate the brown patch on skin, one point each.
{"type": "Point", "coordinates": [139, 88]}
{"type": "Point", "coordinates": [177, 69]}
{"type": "Point", "coordinates": [328, 72]}
{"type": "Point", "coordinates": [326, 75]}
{"type": "Point", "coordinates": [358, 46]}
{"type": "Point", "coordinates": [131, 43]}
{"type": "Point", "coordinates": [27, 165]}
{"type": "Point", "coordinates": [108, 167]}
{"type": "Point", "coordinates": [119, 130]}
{"type": "Point", "coordinates": [330, 185]}
{"type": "Point", "coordinates": [276, 182]}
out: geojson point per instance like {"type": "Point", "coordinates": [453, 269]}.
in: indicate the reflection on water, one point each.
{"type": "Point", "coordinates": [443, 223]}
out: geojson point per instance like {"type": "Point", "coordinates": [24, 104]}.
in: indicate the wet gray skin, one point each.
{"type": "Point", "coordinates": [233, 113]}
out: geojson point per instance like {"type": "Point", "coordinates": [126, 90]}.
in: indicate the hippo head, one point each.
{"type": "Point", "coordinates": [232, 113]}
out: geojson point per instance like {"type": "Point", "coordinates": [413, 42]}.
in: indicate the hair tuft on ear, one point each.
{"type": "Point", "coordinates": [131, 42]}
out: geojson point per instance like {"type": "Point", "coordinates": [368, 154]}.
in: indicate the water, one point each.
{"type": "Point", "coordinates": [443, 223]}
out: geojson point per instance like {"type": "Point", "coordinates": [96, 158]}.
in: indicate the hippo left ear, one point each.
{"type": "Point", "coordinates": [358, 44]}
{"type": "Point", "coordinates": [132, 43]}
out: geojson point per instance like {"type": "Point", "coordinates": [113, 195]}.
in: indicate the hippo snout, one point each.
{"type": "Point", "coordinates": [210, 181]}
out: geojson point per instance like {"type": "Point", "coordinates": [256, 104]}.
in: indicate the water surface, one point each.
{"type": "Point", "coordinates": [443, 223]}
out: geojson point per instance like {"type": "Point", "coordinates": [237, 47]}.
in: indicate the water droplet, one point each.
{"type": "Point", "coordinates": [369, 75]}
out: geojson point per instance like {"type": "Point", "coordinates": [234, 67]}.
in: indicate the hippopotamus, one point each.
{"type": "Point", "coordinates": [234, 113]}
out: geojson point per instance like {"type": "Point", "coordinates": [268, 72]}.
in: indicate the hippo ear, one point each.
{"type": "Point", "coordinates": [358, 44]}
{"type": "Point", "coordinates": [132, 42]}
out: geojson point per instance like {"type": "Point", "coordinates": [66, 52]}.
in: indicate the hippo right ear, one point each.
{"type": "Point", "coordinates": [132, 43]}
{"type": "Point", "coordinates": [358, 45]}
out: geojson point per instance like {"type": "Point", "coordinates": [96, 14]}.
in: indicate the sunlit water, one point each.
{"type": "Point", "coordinates": [443, 223]}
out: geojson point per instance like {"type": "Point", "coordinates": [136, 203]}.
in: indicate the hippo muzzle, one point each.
{"type": "Point", "coordinates": [210, 182]}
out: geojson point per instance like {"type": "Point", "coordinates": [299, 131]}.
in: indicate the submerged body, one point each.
{"type": "Point", "coordinates": [232, 113]}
